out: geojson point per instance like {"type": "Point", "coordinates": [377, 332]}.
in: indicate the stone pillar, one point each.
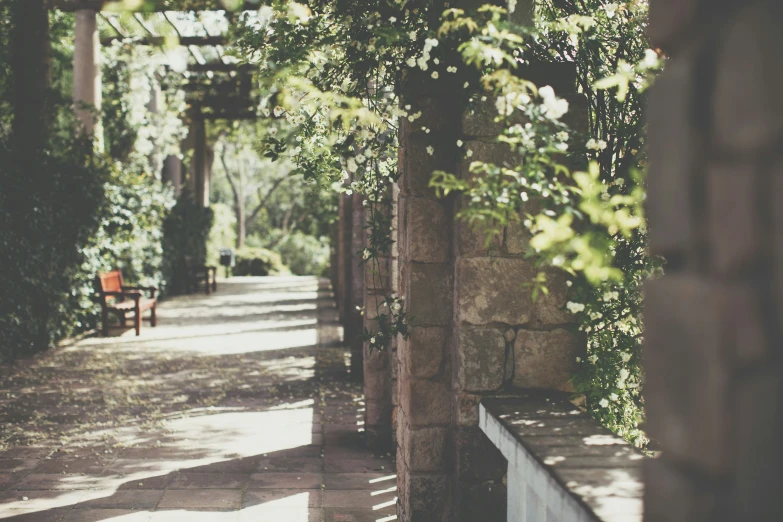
{"type": "Point", "coordinates": [377, 363]}
{"type": "Point", "coordinates": [354, 321]}
{"type": "Point", "coordinates": [714, 375]}
{"type": "Point", "coordinates": [87, 72]}
{"type": "Point", "coordinates": [172, 173]}
{"type": "Point", "coordinates": [475, 329]}
{"type": "Point", "coordinates": [424, 417]}
{"type": "Point", "coordinates": [345, 229]}
{"type": "Point", "coordinates": [394, 361]}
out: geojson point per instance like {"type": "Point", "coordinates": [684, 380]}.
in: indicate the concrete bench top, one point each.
{"type": "Point", "coordinates": [557, 455]}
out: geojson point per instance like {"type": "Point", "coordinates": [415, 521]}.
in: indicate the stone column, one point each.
{"type": "Point", "coordinates": [87, 72]}
{"type": "Point", "coordinates": [354, 321]}
{"type": "Point", "coordinates": [344, 232]}
{"type": "Point", "coordinates": [424, 415]}
{"type": "Point", "coordinates": [395, 289]}
{"type": "Point", "coordinates": [377, 363]}
{"type": "Point", "coordinates": [714, 375]}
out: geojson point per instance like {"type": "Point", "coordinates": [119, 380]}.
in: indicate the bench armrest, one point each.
{"type": "Point", "coordinates": [135, 295]}
{"type": "Point", "coordinates": [137, 288]}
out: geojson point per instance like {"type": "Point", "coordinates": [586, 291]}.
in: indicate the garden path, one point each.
{"type": "Point", "coordinates": [237, 407]}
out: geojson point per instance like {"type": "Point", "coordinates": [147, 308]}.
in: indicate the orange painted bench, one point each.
{"type": "Point", "coordinates": [120, 299]}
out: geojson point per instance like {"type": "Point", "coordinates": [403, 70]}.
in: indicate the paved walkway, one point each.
{"type": "Point", "coordinates": [237, 407]}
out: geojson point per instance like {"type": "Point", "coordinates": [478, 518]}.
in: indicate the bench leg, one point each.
{"type": "Point", "coordinates": [138, 320]}
{"type": "Point", "coordinates": [214, 280]}
{"type": "Point", "coordinates": [154, 316]}
{"type": "Point", "coordinates": [105, 320]}
{"type": "Point", "coordinates": [206, 283]}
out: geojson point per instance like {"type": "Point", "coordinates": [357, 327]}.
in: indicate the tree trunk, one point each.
{"type": "Point", "coordinates": [239, 206]}
{"type": "Point", "coordinates": [30, 62]}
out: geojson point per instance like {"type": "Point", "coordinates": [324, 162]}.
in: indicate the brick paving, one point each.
{"type": "Point", "coordinates": [238, 407]}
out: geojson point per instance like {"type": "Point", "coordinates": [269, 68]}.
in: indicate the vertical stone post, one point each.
{"type": "Point", "coordinates": [354, 321]}
{"type": "Point", "coordinates": [87, 72]}
{"type": "Point", "coordinates": [425, 408]}
{"type": "Point", "coordinates": [394, 281]}
{"type": "Point", "coordinates": [377, 363]}
{"type": "Point", "coordinates": [344, 232]}
{"type": "Point", "coordinates": [713, 366]}
{"type": "Point", "coordinates": [30, 62]}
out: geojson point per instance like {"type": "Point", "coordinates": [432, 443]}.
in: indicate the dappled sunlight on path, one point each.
{"type": "Point", "coordinates": [238, 407]}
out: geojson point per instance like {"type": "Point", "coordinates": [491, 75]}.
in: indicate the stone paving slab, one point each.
{"type": "Point", "coordinates": [237, 408]}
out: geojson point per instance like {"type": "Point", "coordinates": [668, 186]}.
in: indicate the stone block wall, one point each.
{"type": "Point", "coordinates": [377, 364]}
{"type": "Point", "coordinates": [424, 416]}
{"type": "Point", "coordinates": [714, 374]}
{"type": "Point", "coordinates": [475, 330]}
{"type": "Point", "coordinates": [354, 325]}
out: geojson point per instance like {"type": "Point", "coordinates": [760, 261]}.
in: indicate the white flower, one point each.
{"type": "Point", "coordinates": [411, 62]}
{"type": "Point", "coordinates": [412, 34]}
{"type": "Point", "coordinates": [392, 19]}
{"type": "Point", "coordinates": [593, 359]}
{"type": "Point", "coordinates": [554, 107]}
{"type": "Point", "coordinates": [422, 63]}
{"type": "Point", "coordinates": [614, 397]}
{"type": "Point", "coordinates": [575, 307]}
{"type": "Point", "coordinates": [468, 153]}
{"type": "Point", "coordinates": [465, 85]}
{"type": "Point", "coordinates": [603, 403]}
{"type": "Point", "coordinates": [578, 359]}
{"type": "Point", "coordinates": [650, 59]}
{"type": "Point", "coordinates": [372, 340]}
{"type": "Point", "coordinates": [430, 150]}
{"type": "Point", "coordinates": [610, 9]}
{"type": "Point", "coordinates": [459, 143]}
{"type": "Point", "coordinates": [625, 356]}
{"type": "Point", "coordinates": [624, 374]}
{"type": "Point", "coordinates": [434, 75]}
{"type": "Point", "coordinates": [524, 196]}
{"type": "Point", "coordinates": [277, 111]}
{"type": "Point", "coordinates": [366, 254]}
{"type": "Point", "coordinates": [435, 61]}
{"type": "Point", "coordinates": [351, 166]}
{"type": "Point", "coordinates": [562, 136]}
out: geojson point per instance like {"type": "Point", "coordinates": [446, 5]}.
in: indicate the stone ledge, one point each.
{"type": "Point", "coordinates": [562, 465]}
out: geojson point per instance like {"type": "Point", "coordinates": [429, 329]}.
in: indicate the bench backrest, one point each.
{"type": "Point", "coordinates": [110, 281]}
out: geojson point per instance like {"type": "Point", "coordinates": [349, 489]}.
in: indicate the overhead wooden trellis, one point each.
{"type": "Point", "coordinates": [216, 86]}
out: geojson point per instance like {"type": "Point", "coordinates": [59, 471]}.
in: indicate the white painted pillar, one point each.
{"type": "Point", "coordinates": [172, 173]}
{"type": "Point", "coordinates": [87, 72]}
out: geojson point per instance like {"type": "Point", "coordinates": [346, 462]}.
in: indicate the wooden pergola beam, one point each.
{"type": "Point", "coordinates": [148, 6]}
{"type": "Point", "coordinates": [160, 40]}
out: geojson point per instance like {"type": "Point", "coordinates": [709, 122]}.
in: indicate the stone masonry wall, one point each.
{"type": "Point", "coordinates": [714, 372]}
{"type": "Point", "coordinates": [377, 364]}
{"type": "Point", "coordinates": [476, 330]}
{"type": "Point", "coordinates": [424, 416]}
{"type": "Point", "coordinates": [354, 322]}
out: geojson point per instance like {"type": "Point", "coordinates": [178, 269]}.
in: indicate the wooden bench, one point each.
{"type": "Point", "coordinates": [196, 274]}
{"type": "Point", "coordinates": [120, 299]}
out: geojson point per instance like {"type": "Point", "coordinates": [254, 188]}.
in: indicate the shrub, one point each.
{"type": "Point", "coordinates": [185, 233]}
{"type": "Point", "coordinates": [304, 254]}
{"type": "Point", "coordinates": [253, 261]}
{"type": "Point", "coordinates": [223, 233]}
